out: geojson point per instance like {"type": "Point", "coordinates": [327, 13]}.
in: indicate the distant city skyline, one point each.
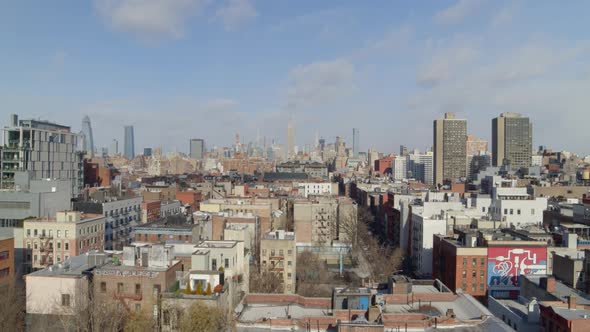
{"type": "Point", "coordinates": [387, 68]}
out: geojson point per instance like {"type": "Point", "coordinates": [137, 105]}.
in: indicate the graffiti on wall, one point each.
{"type": "Point", "coordinates": [506, 264]}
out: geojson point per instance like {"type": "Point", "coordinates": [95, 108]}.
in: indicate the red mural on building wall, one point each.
{"type": "Point", "coordinates": [506, 264]}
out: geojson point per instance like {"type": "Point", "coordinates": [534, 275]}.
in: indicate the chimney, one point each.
{"type": "Point", "coordinates": [571, 302]}
{"type": "Point", "coordinates": [548, 284]}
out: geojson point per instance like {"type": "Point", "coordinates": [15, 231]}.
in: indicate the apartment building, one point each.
{"type": "Point", "coordinates": [278, 254]}
{"type": "Point", "coordinates": [47, 150]}
{"type": "Point", "coordinates": [122, 215]}
{"type": "Point", "coordinates": [51, 241]}
{"type": "Point", "coordinates": [7, 270]}
{"type": "Point", "coordinates": [137, 279]}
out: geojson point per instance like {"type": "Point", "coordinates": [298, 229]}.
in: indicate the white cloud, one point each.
{"type": "Point", "coordinates": [505, 15]}
{"type": "Point", "coordinates": [318, 83]}
{"type": "Point", "coordinates": [444, 64]}
{"type": "Point", "coordinates": [538, 79]}
{"type": "Point", "coordinates": [457, 12]}
{"type": "Point", "coordinates": [149, 19]}
{"type": "Point", "coordinates": [236, 13]}
{"type": "Point", "coordinates": [394, 40]}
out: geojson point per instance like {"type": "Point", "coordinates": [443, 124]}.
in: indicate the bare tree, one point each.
{"type": "Point", "coordinates": [381, 260]}
{"type": "Point", "coordinates": [88, 313]}
{"type": "Point", "coordinates": [265, 281]}
{"type": "Point", "coordinates": [312, 275]}
{"type": "Point", "coordinates": [12, 309]}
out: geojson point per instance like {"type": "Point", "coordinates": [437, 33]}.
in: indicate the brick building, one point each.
{"type": "Point", "coordinates": [150, 211]}
{"type": "Point", "coordinates": [460, 265]}
{"type": "Point", "coordinates": [384, 165]}
{"type": "Point", "coordinates": [137, 280]}
{"type": "Point", "coordinates": [6, 260]}
{"type": "Point", "coordinates": [50, 241]}
{"type": "Point", "coordinates": [278, 253]}
{"type": "Point", "coordinates": [191, 198]}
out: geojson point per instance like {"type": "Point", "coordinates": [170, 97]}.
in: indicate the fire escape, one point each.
{"type": "Point", "coordinates": [323, 225]}
{"type": "Point", "coordinates": [46, 249]}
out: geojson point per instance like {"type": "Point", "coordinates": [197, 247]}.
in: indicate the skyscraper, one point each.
{"type": "Point", "coordinates": [114, 148]}
{"type": "Point", "coordinates": [355, 142]}
{"type": "Point", "coordinates": [87, 140]}
{"type": "Point", "coordinates": [129, 143]}
{"type": "Point", "coordinates": [450, 143]}
{"type": "Point", "coordinates": [197, 148]}
{"type": "Point", "coordinates": [290, 140]}
{"type": "Point", "coordinates": [512, 140]}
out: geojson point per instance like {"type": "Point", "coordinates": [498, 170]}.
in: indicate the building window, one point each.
{"type": "Point", "coordinates": [214, 264]}
{"type": "Point", "coordinates": [473, 287]}
{"type": "Point", "coordinates": [505, 211]}
{"type": "Point", "coordinates": [474, 261]}
{"type": "Point", "coordinates": [281, 252]}
{"type": "Point", "coordinates": [156, 290]}
{"type": "Point", "coordinates": [227, 263]}
{"type": "Point", "coordinates": [464, 261]}
{"type": "Point", "coordinates": [474, 274]}
{"type": "Point", "coordinates": [166, 317]}
{"type": "Point", "coordinates": [4, 255]}
{"type": "Point", "coordinates": [59, 245]}
{"type": "Point", "coordinates": [35, 232]}
{"type": "Point", "coordinates": [263, 252]}
{"type": "Point", "coordinates": [67, 246]}
{"type": "Point", "coordinates": [58, 233]}
{"type": "Point", "coordinates": [481, 287]}
{"type": "Point", "coordinates": [103, 287]}
{"type": "Point", "coordinates": [65, 300]}
{"type": "Point", "coordinates": [272, 253]}
{"type": "Point", "coordinates": [35, 245]}
{"type": "Point", "coordinates": [66, 234]}
{"type": "Point", "coordinates": [532, 211]}
{"type": "Point", "coordinates": [288, 275]}
{"type": "Point", "coordinates": [511, 211]}
{"type": "Point", "coordinates": [518, 212]}
{"type": "Point", "coordinates": [120, 288]}
{"type": "Point", "coordinates": [137, 307]}
{"type": "Point", "coordinates": [289, 263]}
{"type": "Point", "coordinates": [483, 262]}
{"type": "Point", "coordinates": [464, 274]}
{"type": "Point", "coordinates": [289, 252]}
{"type": "Point", "coordinates": [138, 289]}
{"type": "Point", "coordinates": [482, 274]}
{"type": "Point", "coordinates": [5, 272]}
{"type": "Point", "coordinates": [28, 232]}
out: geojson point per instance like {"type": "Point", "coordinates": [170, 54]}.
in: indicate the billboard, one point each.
{"type": "Point", "coordinates": [506, 264]}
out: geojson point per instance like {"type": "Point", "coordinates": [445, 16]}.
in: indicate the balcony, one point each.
{"type": "Point", "coordinates": [277, 258]}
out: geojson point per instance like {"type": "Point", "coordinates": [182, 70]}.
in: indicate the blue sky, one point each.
{"type": "Point", "coordinates": [180, 69]}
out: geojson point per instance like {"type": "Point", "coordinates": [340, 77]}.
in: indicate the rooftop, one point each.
{"type": "Point", "coordinates": [562, 291]}
{"type": "Point", "coordinates": [75, 266]}
{"type": "Point", "coordinates": [216, 244]}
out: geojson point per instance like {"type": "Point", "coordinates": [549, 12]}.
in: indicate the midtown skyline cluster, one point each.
{"type": "Point", "coordinates": [399, 65]}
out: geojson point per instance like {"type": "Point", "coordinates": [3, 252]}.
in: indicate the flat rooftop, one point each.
{"type": "Point", "coordinates": [253, 312]}
{"type": "Point", "coordinates": [216, 244]}
{"type": "Point", "coordinates": [562, 291]}
{"type": "Point", "coordinates": [464, 306]}
{"type": "Point", "coordinates": [73, 267]}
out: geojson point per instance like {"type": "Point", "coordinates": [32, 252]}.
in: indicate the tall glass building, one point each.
{"type": "Point", "coordinates": [129, 143]}
{"type": "Point", "coordinates": [355, 142]}
{"type": "Point", "coordinates": [88, 141]}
